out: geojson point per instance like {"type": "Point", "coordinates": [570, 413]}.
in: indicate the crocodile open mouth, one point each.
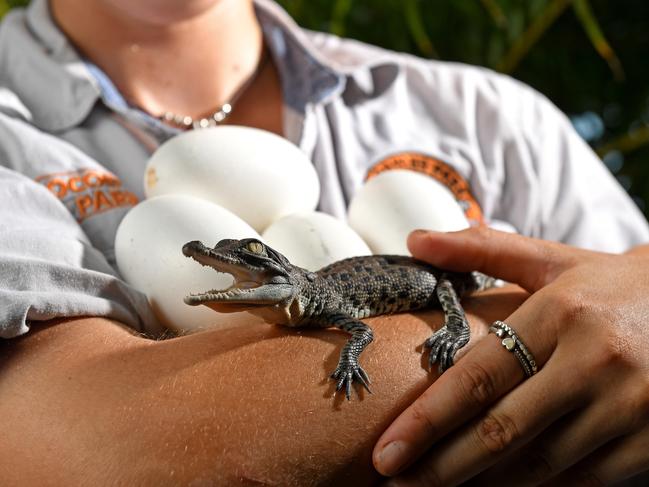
{"type": "Point", "coordinates": [254, 285]}
{"type": "Point", "coordinates": [238, 295]}
{"type": "Point", "coordinates": [242, 287]}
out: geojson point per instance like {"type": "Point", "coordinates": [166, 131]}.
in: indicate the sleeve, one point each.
{"type": "Point", "coordinates": [550, 184]}
{"type": "Point", "coordinates": [49, 269]}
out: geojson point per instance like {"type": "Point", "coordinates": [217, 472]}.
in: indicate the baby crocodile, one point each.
{"type": "Point", "coordinates": [341, 294]}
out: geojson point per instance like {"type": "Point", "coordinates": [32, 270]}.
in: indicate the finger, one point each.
{"type": "Point", "coordinates": [513, 421]}
{"type": "Point", "coordinates": [567, 442]}
{"type": "Point", "coordinates": [529, 262]}
{"type": "Point", "coordinates": [616, 461]}
{"type": "Point", "coordinates": [483, 375]}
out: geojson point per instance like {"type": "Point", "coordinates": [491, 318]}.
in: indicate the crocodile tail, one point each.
{"type": "Point", "coordinates": [483, 281]}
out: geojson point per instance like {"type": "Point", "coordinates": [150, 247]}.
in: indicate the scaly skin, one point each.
{"type": "Point", "coordinates": [340, 295]}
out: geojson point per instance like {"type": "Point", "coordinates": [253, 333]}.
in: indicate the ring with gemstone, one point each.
{"type": "Point", "coordinates": [512, 343]}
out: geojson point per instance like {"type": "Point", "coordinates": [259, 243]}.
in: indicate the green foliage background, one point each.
{"type": "Point", "coordinates": [588, 56]}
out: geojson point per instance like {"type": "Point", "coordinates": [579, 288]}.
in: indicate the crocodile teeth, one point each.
{"type": "Point", "coordinates": [237, 289]}
{"type": "Point", "coordinates": [227, 294]}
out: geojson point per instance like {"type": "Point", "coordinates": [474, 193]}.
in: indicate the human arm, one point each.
{"type": "Point", "coordinates": [583, 417]}
{"type": "Point", "coordinates": [86, 401]}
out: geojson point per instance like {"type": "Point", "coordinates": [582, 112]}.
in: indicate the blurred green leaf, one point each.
{"type": "Point", "coordinates": [6, 5]}
{"type": "Point", "coordinates": [516, 24]}
{"type": "Point", "coordinates": [596, 36]}
{"type": "Point", "coordinates": [496, 50]}
{"type": "Point", "coordinates": [527, 39]}
{"type": "Point", "coordinates": [628, 142]}
{"type": "Point", "coordinates": [417, 29]}
{"type": "Point", "coordinates": [339, 15]}
{"type": "Point", "coordinates": [495, 12]}
{"type": "Point", "coordinates": [534, 7]}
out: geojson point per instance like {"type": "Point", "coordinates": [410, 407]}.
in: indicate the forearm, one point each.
{"type": "Point", "coordinates": [241, 406]}
{"type": "Point", "coordinates": [639, 250]}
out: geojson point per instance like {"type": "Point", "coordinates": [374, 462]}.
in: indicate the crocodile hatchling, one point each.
{"type": "Point", "coordinates": [341, 294]}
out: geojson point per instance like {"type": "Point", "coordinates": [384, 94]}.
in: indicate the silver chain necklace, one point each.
{"type": "Point", "coordinates": [186, 122]}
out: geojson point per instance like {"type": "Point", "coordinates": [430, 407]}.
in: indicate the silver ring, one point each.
{"type": "Point", "coordinates": [512, 343]}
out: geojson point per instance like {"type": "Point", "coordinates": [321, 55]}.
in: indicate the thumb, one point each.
{"type": "Point", "coordinates": [528, 262]}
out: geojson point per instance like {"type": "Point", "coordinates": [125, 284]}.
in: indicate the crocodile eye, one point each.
{"type": "Point", "coordinates": [255, 247]}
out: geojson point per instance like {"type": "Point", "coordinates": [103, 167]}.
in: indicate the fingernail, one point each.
{"type": "Point", "coordinates": [419, 232]}
{"type": "Point", "coordinates": [392, 457]}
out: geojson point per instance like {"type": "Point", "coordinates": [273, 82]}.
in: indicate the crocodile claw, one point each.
{"type": "Point", "coordinates": [442, 347]}
{"type": "Point", "coordinates": [345, 375]}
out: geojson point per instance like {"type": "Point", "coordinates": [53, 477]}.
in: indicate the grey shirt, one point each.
{"type": "Point", "coordinates": [72, 155]}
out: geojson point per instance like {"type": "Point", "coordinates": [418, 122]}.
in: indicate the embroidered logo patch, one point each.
{"type": "Point", "coordinates": [438, 170]}
{"type": "Point", "coordinates": [87, 192]}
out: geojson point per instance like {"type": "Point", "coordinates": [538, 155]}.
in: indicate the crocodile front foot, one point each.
{"type": "Point", "coordinates": [442, 347]}
{"type": "Point", "coordinates": [348, 372]}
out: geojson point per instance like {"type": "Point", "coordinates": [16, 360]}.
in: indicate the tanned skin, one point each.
{"type": "Point", "coordinates": [87, 402]}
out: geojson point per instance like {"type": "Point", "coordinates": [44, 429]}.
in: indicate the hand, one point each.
{"type": "Point", "coordinates": [583, 418]}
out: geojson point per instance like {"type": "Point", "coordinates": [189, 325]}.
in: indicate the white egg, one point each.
{"type": "Point", "coordinates": [148, 248]}
{"type": "Point", "coordinates": [313, 240]}
{"type": "Point", "coordinates": [389, 206]}
{"type": "Point", "coordinates": [257, 175]}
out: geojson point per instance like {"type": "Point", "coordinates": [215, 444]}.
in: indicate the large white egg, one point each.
{"type": "Point", "coordinates": [148, 248]}
{"type": "Point", "coordinates": [257, 175]}
{"type": "Point", "coordinates": [313, 239]}
{"type": "Point", "coordinates": [394, 203]}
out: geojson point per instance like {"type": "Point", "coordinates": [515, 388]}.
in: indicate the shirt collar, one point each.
{"type": "Point", "coordinates": [65, 88]}
{"type": "Point", "coordinates": [307, 76]}
{"type": "Point", "coordinates": [45, 72]}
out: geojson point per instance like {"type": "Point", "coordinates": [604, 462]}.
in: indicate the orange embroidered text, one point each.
{"type": "Point", "coordinates": [438, 170]}
{"type": "Point", "coordinates": [87, 192]}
